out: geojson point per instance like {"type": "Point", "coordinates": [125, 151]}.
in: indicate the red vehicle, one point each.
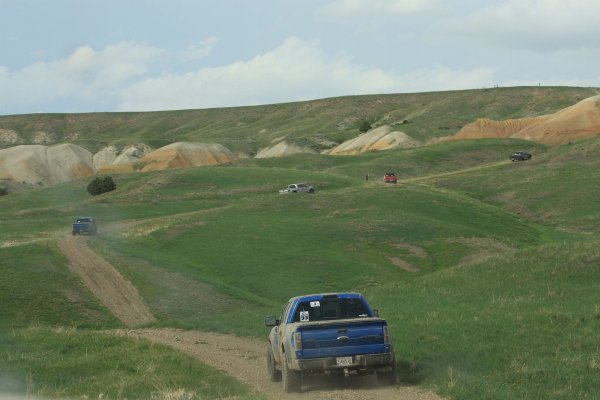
{"type": "Point", "coordinates": [390, 177]}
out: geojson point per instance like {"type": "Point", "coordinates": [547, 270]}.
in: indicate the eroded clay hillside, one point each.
{"type": "Point", "coordinates": [38, 164]}
{"type": "Point", "coordinates": [50, 149]}
{"type": "Point", "coordinates": [577, 122]}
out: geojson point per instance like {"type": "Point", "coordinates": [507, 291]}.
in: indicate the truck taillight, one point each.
{"type": "Point", "coordinates": [386, 335]}
{"type": "Point", "coordinates": [298, 340]}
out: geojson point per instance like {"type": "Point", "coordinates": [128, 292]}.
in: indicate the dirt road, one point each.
{"type": "Point", "coordinates": [457, 172]}
{"type": "Point", "coordinates": [105, 282]}
{"type": "Point", "coordinates": [241, 358]}
{"type": "Point", "coordinates": [244, 359]}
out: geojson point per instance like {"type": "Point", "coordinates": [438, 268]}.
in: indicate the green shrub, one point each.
{"type": "Point", "coordinates": [3, 192]}
{"type": "Point", "coordinates": [101, 184]}
{"type": "Point", "coordinates": [364, 125]}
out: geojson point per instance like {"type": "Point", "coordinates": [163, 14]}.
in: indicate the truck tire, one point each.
{"type": "Point", "coordinates": [291, 379]}
{"type": "Point", "coordinates": [272, 371]}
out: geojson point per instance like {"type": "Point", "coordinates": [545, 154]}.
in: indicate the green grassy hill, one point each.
{"type": "Point", "coordinates": [487, 270]}
{"type": "Point", "coordinates": [319, 124]}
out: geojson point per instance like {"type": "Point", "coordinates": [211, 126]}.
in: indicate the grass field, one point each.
{"type": "Point", "coordinates": [72, 363]}
{"type": "Point", "coordinates": [488, 271]}
{"type": "Point", "coordinates": [518, 325]}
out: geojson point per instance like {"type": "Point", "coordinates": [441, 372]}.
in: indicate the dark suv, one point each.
{"type": "Point", "coordinates": [520, 156]}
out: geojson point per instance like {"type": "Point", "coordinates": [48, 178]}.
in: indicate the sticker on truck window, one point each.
{"type": "Point", "coordinates": [304, 316]}
{"type": "Point", "coordinates": [315, 304]}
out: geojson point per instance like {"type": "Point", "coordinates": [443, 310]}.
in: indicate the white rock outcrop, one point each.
{"type": "Point", "coordinates": [39, 164]}
{"type": "Point", "coordinates": [381, 138]}
{"type": "Point", "coordinates": [186, 154]}
{"type": "Point", "coordinates": [282, 149]}
{"type": "Point", "coordinates": [105, 157]}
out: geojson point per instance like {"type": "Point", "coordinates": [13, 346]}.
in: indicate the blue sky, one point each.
{"type": "Point", "coordinates": [125, 55]}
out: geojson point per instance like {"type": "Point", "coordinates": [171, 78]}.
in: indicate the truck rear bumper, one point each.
{"type": "Point", "coordinates": [372, 362]}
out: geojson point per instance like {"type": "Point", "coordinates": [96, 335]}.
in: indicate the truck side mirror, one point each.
{"type": "Point", "coordinates": [376, 312]}
{"type": "Point", "coordinates": [271, 321]}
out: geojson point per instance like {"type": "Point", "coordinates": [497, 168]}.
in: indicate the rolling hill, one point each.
{"type": "Point", "coordinates": [318, 124]}
{"type": "Point", "coordinates": [41, 164]}
{"type": "Point", "coordinates": [487, 270]}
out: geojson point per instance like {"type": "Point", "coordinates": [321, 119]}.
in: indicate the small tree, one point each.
{"type": "Point", "coordinates": [364, 125]}
{"type": "Point", "coordinates": [101, 184]}
{"type": "Point", "coordinates": [3, 192]}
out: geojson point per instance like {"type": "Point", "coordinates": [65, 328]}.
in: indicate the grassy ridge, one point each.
{"type": "Point", "coordinates": [519, 325]}
{"type": "Point", "coordinates": [558, 188]}
{"type": "Point", "coordinates": [484, 300]}
{"type": "Point", "coordinates": [264, 251]}
{"type": "Point", "coordinates": [407, 163]}
{"type": "Point", "coordinates": [317, 124]}
{"type": "Point", "coordinates": [327, 227]}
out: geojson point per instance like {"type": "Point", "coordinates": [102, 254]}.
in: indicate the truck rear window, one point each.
{"type": "Point", "coordinates": [330, 309]}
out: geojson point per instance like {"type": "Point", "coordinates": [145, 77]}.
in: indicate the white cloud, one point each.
{"type": "Point", "coordinates": [539, 25]}
{"type": "Point", "coordinates": [443, 78]}
{"type": "Point", "coordinates": [352, 8]}
{"type": "Point", "coordinates": [296, 70]}
{"type": "Point", "coordinates": [82, 60]}
{"type": "Point", "coordinates": [84, 74]}
{"type": "Point", "coordinates": [200, 50]}
{"type": "Point", "coordinates": [119, 77]}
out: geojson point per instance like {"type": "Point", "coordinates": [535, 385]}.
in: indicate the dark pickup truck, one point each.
{"type": "Point", "coordinates": [334, 333]}
{"type": "Point", "coordinates": [84, 225]}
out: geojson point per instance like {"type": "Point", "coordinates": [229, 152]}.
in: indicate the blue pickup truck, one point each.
{"type": "Point", "coordinates": [334, 333]}
{"type": "Point", "coordinates": [84, 225]}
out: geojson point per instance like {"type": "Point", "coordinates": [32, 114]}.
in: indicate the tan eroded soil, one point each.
{"type": "Point", "coordinates": [577, 122]}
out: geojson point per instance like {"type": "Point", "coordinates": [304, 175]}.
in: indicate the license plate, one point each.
{"type": "Point", "coordinates": [342, 361]}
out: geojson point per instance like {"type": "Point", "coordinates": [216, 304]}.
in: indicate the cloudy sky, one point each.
{"type": "Point", "coordinates": [136, 55]}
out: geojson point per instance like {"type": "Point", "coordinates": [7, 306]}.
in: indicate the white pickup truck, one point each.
{"type": "Point", "coordinates": [298, 188]}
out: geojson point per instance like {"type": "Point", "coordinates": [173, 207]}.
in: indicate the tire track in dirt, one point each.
{"type": "Point", "coordinates": [456, 172]}
{"type": "Point", "coordinates": [244, 359]}
{"type": "Point", "coordinates": [105, 282]}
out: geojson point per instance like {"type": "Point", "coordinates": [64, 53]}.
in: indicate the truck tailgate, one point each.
{"type": "Point", "coordinates": [343, 338]}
